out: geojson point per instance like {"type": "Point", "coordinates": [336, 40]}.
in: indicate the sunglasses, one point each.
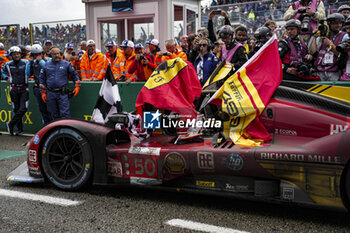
{"type": "Point", "coordinates": [200, 45]}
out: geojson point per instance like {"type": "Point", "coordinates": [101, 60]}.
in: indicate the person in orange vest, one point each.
{"type": "Point", "coordinates": [47, 48]}
{"type": "Point", "coordinates": [91, 63]}
{"type": "Point", "coordinates": [112, 55]}
{"type": "Point", "coordinates": [124, 61]}
{"type": "Point", "coordinates": [142, 64]}
{"type": "Point", "coordinates": [3, 57]}
{"type": "Point", "coordinates": [172, 52]}
{"type": "Point", "coordinates": [154, 50]}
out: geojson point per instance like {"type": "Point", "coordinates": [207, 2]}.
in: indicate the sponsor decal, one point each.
{"type": "Point", "coordinates": [334, 129]}
{"type": "Point", "coordinates": [234, 161]}
{"type": "Point", "coordinates": [206, 184]}
{"type": "Point", "coordinates": [288, 193]}
{"type": "Point", "coordinates": [145, 150]}
{"type": "Point", "coordinates": [288, 132]}
{"type": "Point", "coordinates": [175, 163]}
{"type": "Point", "coordinates": [300, 157]}
{"type": "Point", "coordinates": [32, 156]}
{"type": "Point", "coordinates": [236, 188]}
{"type": "Point", "coordinates": [36, 139]}
{"type": "Point", "coordinates": [205, 160]}
{"type": "Point", "coordinates": [144, 181]}
{"type": "Point", "coordinates": [115, 168]}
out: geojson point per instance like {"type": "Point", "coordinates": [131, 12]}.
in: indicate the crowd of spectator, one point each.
{"type": "Point", "coordinates": [60, 34]}
{"type": "Point", "coordinates": [255, 13]}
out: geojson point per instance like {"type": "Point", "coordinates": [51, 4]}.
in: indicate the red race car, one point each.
{"type": "Point", "coordinates": [307, 160]}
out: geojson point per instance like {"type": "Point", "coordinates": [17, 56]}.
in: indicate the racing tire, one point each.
{"type": "Point", "coordinates": [345, 184]}
{"type": "Point", "coordinates": [67, 160]}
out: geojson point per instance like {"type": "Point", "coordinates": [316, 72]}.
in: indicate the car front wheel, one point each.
{"type": "Point", "coordinates": [67, 159]}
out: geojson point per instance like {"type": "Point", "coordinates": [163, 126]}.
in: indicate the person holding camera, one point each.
{"type": "Point", "coordinates": [153, 46]}
{"type": "Point", "coordinates": [123, 63]}
{"type": "Point", "coordinates": [37, 62]}
{"type": "Point", "coordinates": [69, 55]}
{"type": "Point", "coordinates": [206, 62]}
{"type": "Point", "coordinates": [344, 57]}
{"type": "Point", "coordinates": [294, 54]}
{"type": "Point", "coordinates": [309, 12]}
{"type": "Point", "coordinates": [53, 78]}
{"type": "Point", "coordinates": [325, 49]}
{"type": "Point", "coordinates": [142, 65]}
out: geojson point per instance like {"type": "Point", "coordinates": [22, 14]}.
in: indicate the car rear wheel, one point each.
{"type": "Point", "coordinates": [67, 159]}
{"type": "Point", "coordinates": [345, 186]}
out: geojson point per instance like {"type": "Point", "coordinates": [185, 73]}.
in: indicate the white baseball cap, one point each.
{"type": "Point", "coordinates": [90, 42]}
{"type": "Point", "coordinates": [153, 41]}
{"type": "Point", "coordinates": [127, 43]}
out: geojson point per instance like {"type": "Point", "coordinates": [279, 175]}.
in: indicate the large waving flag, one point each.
{"type": "Point", "coordinates": [108, 101]}
{"type": "Point", "coordinates": [245, 94]}
{"type": "Point", "coordinates": [172, 86]}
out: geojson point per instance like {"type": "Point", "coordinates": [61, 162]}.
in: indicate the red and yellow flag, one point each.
{"type": "Point", "coordinates": [172, 86]}
{"type": "Point", "coordinates": [245, 94]}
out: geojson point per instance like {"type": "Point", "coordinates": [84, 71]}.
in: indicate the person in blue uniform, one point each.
{"type": "Point", "coordinates": [14, 73]}
{"type": "Point", "coordinates": [34, 69]}
{"type": "Point", "coordinates": [53, 78]}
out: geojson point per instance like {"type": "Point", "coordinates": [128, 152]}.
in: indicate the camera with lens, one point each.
{"type": "Point", "coordinates": [322, 29]}
{"type": "Point", "coordinates": [343, 45]}
{"type": "Point", "coordinates": [304, 69]}
{"type": "Point", "coordinates": [258, 45]}
{"type": "Point", "coordinates": [142, 57]}
{"type": "Point", "coordinates": [305, 22]}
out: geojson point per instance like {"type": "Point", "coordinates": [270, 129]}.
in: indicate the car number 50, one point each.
{"type": "Point", "coordinates": [147, 166]}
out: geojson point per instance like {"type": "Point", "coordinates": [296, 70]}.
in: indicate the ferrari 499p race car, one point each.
{"type": "Point", "coordinates": [307, 160]}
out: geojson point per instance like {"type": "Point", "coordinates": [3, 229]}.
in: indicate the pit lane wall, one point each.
{"type": "Point", "coordinates": [81, 106]}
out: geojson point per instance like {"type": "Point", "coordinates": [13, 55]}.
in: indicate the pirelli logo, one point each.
{"type": "Point", "coordinates": [206, 184]}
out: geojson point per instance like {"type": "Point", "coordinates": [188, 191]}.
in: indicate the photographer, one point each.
{"type": "Point", "coordinates": [345, 11]}
{"type": "Point", "coordinates": [142, 64]}
{"type": "Point", "coordinates": [212, 35]}
{"type": "Point", "coordinates": [262, 35]}
{"type": "Point", "coordinates": [325, 47]}
{"type": "Point", "coordinates": [344, 58]}
{"type": "Point", "coordinates": [309, 12]}
{"type": "Point", "coordinates": [294, 54]}
{"type": "Point", "coordinates": [69, 55]}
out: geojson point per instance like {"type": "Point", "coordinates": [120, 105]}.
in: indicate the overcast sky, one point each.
{"type": "Point", "coordinates": [24, 12]}
{"type": "Point", "coordinates": [31, 11]}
